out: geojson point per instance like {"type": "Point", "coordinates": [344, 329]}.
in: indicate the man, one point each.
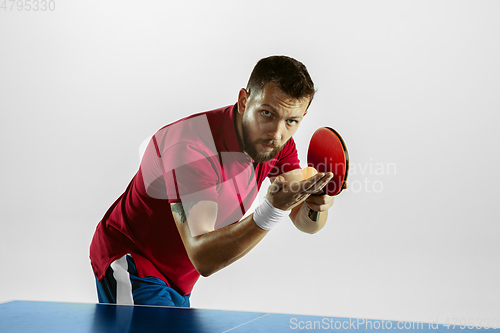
{"type": "Point", "coordinates": [181, 215]}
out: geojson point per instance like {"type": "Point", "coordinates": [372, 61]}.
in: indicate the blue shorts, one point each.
{"type": "Point", "coordinates": [122, 285]}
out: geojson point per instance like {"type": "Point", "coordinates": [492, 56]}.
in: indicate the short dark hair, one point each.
{"type": "Point", "coordinates": [289, 74]}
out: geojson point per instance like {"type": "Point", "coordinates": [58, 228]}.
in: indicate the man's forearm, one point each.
{"type": "Point", "coordinates": [217, 249]}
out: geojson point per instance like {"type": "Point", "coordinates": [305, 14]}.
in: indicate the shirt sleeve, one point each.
{"type": "Point", "coordinates": [190, 174]}
{"type": "Point", "coordinates": [181, 162]}
{"type": "Point", "coordinates": [183, 172]}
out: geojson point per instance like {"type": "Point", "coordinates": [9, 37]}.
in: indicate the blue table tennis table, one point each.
{"type": "Point", "coordinates": [53, 317]}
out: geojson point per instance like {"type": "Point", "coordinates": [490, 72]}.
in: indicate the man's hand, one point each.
{"type": "Point", "coordinates": [320, 202]}
{"type": "Point", "coordinates": [304, 196]}
{"type": "Point", "coordinates": [287, 193]}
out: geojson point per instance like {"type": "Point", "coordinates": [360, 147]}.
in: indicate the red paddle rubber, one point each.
{"type": "Point", "coordinates": [328, 153]}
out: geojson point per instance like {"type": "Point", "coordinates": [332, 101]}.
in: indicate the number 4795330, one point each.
{"type": "Point", "coordinates": [28, 5]}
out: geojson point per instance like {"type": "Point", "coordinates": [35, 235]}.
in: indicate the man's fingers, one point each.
{"type": "Point", "coordinates": [277, 185]}
{"type": "Point", "coordinates": [284, 194]}
{"type": "Point", "coordinates": [319, 203]}
{"type": "Point", "coordinates": [308, 183]}
{"type": "Point", "coordinates": [316, 183]}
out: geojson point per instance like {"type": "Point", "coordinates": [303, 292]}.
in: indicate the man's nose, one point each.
{"type": "Point", "coordinates": [276, 132]}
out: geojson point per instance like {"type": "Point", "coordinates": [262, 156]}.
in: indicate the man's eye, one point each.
{"type": "Point", "coordinates": [291, 121]}
{"type": "Point", "coordinates": [266, 113]}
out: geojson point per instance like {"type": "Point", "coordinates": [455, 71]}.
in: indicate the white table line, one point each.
{"type": "Point", "coordinates": [246, 322]}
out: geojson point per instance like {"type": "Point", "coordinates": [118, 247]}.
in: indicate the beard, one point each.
{"type": "Point", "coordinates": [251, 147]}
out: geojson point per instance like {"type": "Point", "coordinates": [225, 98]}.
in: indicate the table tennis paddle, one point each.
{"type": "Point", "coordinates": [328, 153]}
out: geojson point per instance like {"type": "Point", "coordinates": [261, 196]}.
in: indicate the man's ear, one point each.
{"type": "Point", "coordinates": [243, 96]}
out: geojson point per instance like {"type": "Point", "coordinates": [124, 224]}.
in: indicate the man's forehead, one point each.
{"type": "Point", "coordinates": [273, 97]}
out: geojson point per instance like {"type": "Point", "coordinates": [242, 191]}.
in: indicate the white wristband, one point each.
{"type": "Point", "coordinates": [267, 216]}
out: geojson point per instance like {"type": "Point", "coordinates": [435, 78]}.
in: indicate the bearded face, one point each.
{"type": "Point", "coordinates": [269, 119]}
{"type": "Point", "coordinates": [254, 148]}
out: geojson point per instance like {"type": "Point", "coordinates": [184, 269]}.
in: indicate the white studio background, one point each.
{"type": "Point", "coordinates": [412, 86]}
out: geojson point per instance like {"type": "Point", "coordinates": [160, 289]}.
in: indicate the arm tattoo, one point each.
{"type": "Point", "coordinates": [182, 209]}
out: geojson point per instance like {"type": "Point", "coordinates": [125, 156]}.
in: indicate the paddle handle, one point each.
{"type": "Point", "coordinates": [313, 215]}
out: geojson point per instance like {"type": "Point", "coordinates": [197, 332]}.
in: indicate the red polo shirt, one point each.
{"type": "Point", "coordinates": [195, 158]}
